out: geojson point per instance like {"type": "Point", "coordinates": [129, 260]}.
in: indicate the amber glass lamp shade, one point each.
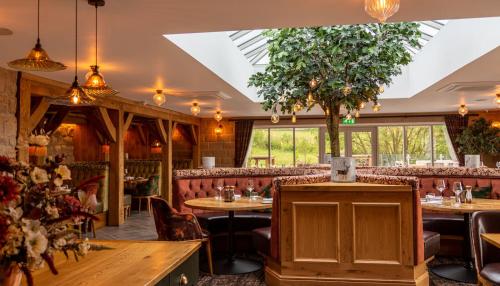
{"type": "Point", "coordinates": [498, 98]}
{"type": "Point", "coordinates": [195, 109]}
{"type": "Point", "coordinates": [381, 9]}
{"type": "Point", "coordinates": [105, 149]}
{"type": "Point", "coordinates": [218, 116]}
{"type": "Point", "coordinates": [96, 85]}
{"type": "Point", "coordinates": [37, 61]}
{"type": "Point", "coordinates": [463, 110]}
{"type": "Point", "coordinates": [77, 95]}
{"type": "Point", "coordinates": [159, 97]}
{"type": "Point", "coordinates": [218, 130]}
{"type": "Point", "coordinates": [377, 107]}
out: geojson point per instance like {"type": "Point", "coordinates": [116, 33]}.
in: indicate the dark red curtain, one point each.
{"type": "Point", "coordinates": [456, 125]}
{"type": "Point", "coordinates": [243, 135]}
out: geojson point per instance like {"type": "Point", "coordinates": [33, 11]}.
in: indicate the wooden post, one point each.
{"type": "Point", "coordinates": [195, 133]}
{"type": "Point", "coordinates": [166, 164]}
{"type": "Point", "coordinates": [23, 118]}
{"type": "Point", "coordinates": [116, 170]}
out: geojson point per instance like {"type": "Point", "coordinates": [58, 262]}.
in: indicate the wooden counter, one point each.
{"type": "Point", "coordinates": [346, 234]}
{"type": "Point", "coordinates": [128, 263]}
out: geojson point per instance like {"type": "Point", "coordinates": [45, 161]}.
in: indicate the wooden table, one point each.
{"type": "Point", "coordinates": [267, 160]}
{"type": "Point", "coordinates": [493, 238]}
{"type": "Point", "coordinates": [231, 265]}
{"type": "Point", "coordinates": [461, 273]}
{"type": "Point", "coordinates": [127, 263]}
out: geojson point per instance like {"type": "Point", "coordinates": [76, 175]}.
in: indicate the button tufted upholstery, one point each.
{"type": "Point", "coordinates": [428, 185]}
{"type": "Point", "coordinates": [143, 168]}
{"type": "Point", "coordinates": [182, 164]}
{"type": "Point", "coordinates": [82, 171]}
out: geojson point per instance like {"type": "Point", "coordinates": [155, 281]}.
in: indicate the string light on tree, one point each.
{"type": "Point", "coordinates": [362, 105]}
{"type": "Point", "coordinates": [357, 114]}
{"type": "Point", "coordinates": [298, 107]}
{"type": "Point", "coordinates": [313, 83]}
{"type": "Point", "coordinates": [376, 107]}
{"type": "Point", "coordinates": [294, 118]}
{"type": "Point", "coordinates": [310, 99]}
{"type": "Point", "coordinates": [275, 118]}
{"type": "Point", "coordinates": [346, 90]}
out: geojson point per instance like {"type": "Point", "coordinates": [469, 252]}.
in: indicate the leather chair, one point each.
{"type": "Point", "coordinates": [174, 226]}
{"type": "Point", "coordinates": [487, 256]}
{"type": "Point", "coordinates": [431, 244]}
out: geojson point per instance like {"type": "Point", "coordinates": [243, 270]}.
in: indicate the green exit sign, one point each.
{"type": "Point", "coordinates": [350, 121]}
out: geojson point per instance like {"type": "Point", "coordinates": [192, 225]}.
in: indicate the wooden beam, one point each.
{"type": "Point", "coordinates": [128, 121]}
{"type": "Point", "coordinates": [196, 147]}
{"type": "Point", "coordinates": [23, 117]}
{"type": "Point", "coordinates": [194, 135]}
{"type": "Point", "coordinates": [162, 134]}
{"type": "Point", "coordinates": [109, 127]}
{"type": "Point", "coordinates": [56, 120]}
{"type": "Point", "coordinates": [39, 112]}
{"type": "Point", "coordinates": [166, 166]}
{"type": "Point", "coordinates": [99, 136]}
{"type": "Point", "coordinates": [142, 135]}
{"type": "Point", "coordinates": [116, 170]}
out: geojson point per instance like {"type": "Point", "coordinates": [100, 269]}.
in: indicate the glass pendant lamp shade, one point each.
{"type": "Point", "coordinates": [38, 59]}
{"type": "Point", "coordinates": [195, 109]}
{"type": "Point", "coordinates": [463, 110]}
{"type": "Point", "coordinates": [381, 9]}
{"type": "Point", "coordinates": [498, 98]}
{"type": "Point", "coordinates": [310, 99]}
{"type": "Point", "coordinates": [77, 95]}
{"type": "Point", "coordinates": [218, 116]}
{"type": "Point", "coordinates": [159, 97]}
{"type": "Point", "coordinates": [377, 107]}
{"type": "Point", "coordinates": [294, 118]}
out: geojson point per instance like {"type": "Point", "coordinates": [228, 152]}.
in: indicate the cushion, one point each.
{"type": "Point", "coordinates": [444, 224]}
{"type": "Point", "coordinates": [482, 193]}
{"type": "Point", "coordinates": [262, 239]}
{"type": "Point", "coordinates": [431, 243]}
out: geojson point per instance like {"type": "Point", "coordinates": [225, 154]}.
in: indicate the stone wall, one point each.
{"type": "Point", "coordinates": [61, 142]}
{"type": "Point", "coordinates": [220, 146]}
{"type": "Point", "coordinates": [8, 105]}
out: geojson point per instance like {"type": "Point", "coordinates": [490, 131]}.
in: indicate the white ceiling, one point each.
{"type": "Point", "coordinates": [136, 59]}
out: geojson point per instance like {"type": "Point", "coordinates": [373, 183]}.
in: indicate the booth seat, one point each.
{"type": "Point", "coordinates": [82, 171]}
{"type": "Point", "coordinates": [182, 164]}
{"type": "Point", "coordinates": [144, 169]}
{"type": "Point", "coordinates": [202, 183]}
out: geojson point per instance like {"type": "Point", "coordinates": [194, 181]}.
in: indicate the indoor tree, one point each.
{"type": "Point", "coordinates": [333, 67]}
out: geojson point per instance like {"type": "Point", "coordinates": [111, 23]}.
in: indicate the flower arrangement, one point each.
{"type": "Point", "coordinates": [35, 211]}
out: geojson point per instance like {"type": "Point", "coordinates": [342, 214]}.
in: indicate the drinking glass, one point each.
{"type": "Point", "coordinates": [498, 165]}
{"type": "Point", "coordinates": [441, 186]}
{"type": "Point", "coordinates": [219, 187]}
{"type": "Point", "coordinates": [457, 189]}
{"type": "Point", "coordinates": [250, 187]}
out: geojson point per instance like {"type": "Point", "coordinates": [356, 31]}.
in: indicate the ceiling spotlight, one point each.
{"type": "Point", "coordinates": [377, 107]}
{"type": "Point", "coordinates": [463, 110]}
{"type": "Point", "coordinates": [218, 116]}
{"type": "Point", "coordinates": [159, 98]}
{"type": "Point", "coordinates": [381, 9]}
{"type": "Point", "coordinates": [195, 109]}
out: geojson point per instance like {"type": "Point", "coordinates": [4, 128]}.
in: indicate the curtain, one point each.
{"type": "Point", "coordinates": [243, 135]}
{"type": "Point", "coordinates": [455, 124]}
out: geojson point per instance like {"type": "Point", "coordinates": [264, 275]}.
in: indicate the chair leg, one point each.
{"type": "Point", "coordinates": [208, 246]}
{"type": "Point", "coordinates": [149, 206]}
{"type": "Point", "coordinates": [140, 201]}
{"type": "Point", "coordinates": [93, 228]}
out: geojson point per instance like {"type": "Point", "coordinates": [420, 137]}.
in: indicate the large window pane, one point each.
{"type": "Point", "coordinates": [390, 146]}
{"type": "Point", "coordinates": [418, 139]}
{"type": "Point", "coordinates": [282, 147]}
{"type": "Point", "coordinates": [306, 146]}
{"type": "Point", "coordinates": [259, 148]}
{"type": "Point", "coordinates": [444, 155]}
{"type": "Point", "coordinates": [362, 148]}
{"type": "Point", "coordinates": [328, 148]}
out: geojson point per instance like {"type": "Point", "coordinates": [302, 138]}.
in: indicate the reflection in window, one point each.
{"type": "Point", "coordinates": [306, 146]}
{"type": "Point", "coordinates": [259, 149]}
{"type": "Point", "coordinates": [418, 140]}
{"type": "Point", "coordinates": [282, 147]}
{"type": "Point", "coordinates": [390, 146]}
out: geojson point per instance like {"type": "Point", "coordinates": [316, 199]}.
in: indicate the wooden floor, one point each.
{"type": "Point", "coordinates": [140, 226]}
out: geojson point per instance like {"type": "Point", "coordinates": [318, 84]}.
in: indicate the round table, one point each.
{"type": "Point", "coordinates": [461, 273]}
{"type": "Point", "coordinates": [230, 265]}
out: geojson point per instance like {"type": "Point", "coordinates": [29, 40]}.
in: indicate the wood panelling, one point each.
{"type": "Point", "coordinates": [377, 238]}
{"type": "Point", "coordinates": [346, 234]}
{"type": "Point", "coordinates": [86, 144]}
{"type": "Point", "coordinates": [134, 146]}
{"type": "Point", "coordinates": [318, 241]}
{"type": "Point", "coordinates": [182, 147]}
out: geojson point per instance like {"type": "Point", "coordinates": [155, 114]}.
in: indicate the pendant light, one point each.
{"type": "Point", "coordinates": [76, 94]}
{"type": "Point", "coordinates": [96, 85]}
{"type": "Point", "coordinates": [498, 98]}
{"type": "Point", "coordinates": [218, 116]}
{"type": "Point", "coordinates": [159, 97]}
{"type": "Point", "coordinates": [195, 109]}
{"type": "Point", "coordinates": [381, 9]}
{"type": "Point", "coordinates": [376, 107]}
{"type": "Point", "coordinates": [275, 118]}
{"type": "Point", "coordinates": [463, 110]}
{"type": "Point", "coordinates": [294, 117]}
{"type": "Point", "coordinates": [310, 99]}
{"type": "Point", "coordinates": [37, 60]}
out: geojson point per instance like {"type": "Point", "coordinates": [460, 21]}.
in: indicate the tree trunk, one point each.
{"type": "Point", "coordinates": [333, 125]}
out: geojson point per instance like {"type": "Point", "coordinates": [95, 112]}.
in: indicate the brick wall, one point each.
{"type": "Point", "coordinates": [8, 121]}
{"type": "Point", "coordinates": [219, 146]}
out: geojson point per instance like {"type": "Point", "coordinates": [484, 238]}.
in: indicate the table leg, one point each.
{"type": "Point", "coordinates": [140, 201]}
{"type": "Point", "coordinates": [230, 238]}
{"type": "Point", "coordinates": [461, 273]}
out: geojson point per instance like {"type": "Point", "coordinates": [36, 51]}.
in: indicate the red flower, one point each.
{"type": "Point", "coordinates": [9, 189]}
{"type": "Point", "coordinates": [5, 164]}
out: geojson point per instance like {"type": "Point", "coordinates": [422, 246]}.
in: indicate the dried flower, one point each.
{"type": "Point", "coordinates": [64, 172]}
{"type": "Point", "coordinates": [39, 176]}
{"type": "Point", "coordinates": [52, 211]}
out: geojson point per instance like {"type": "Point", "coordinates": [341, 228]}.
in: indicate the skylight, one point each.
{"type": "Point", "coordinates": [254, 45]}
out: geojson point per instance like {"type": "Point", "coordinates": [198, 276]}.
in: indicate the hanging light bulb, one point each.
{"type": "Point", "coordinates": [294, 117]}
{"type": "Point", "coordinates": [361, 105]}
{"type": "Point", "coordinates": [381, 9]}
{"type": "Point", "coordinates": [376, 107]}
{"type": "Point", "coordinates": [313, 83]}
{"type": "Point", "coordinates": [218, 129]}
{"type": "Point", "coordinates": [159, 98]}
{"type": "Point", "coordinates": [218, 116]}
{"type": "Point", "coordinates": [327, 112]}
{"type": "Point", "coordinates": [495, 124]}
{"type": "Point", "coordinates": [346, 90]}
{"type": "Point", "coordinates": [310, 99]}
{"type": "Point", "coordinates": [357, 114]}
{"type": "Point", "coordinates": [37, 60]}
{"type": "Point", "coordinates": [282, 98]}
{"type": "Point", "coordinates": [275, 118]}
{"type": "Point", "coordinates": [195, 109]}
{"type": "Point", "coordinates": [348, 116]}
{"type": "Point", "coordinates": [381, 89]}
{"type": "Point", "coordinates": [463, 110]}
{"type": "Point", "coordinates": [297, 107]}
{"type": "Point", "coordinates": [76, 94]}
{"type": "Point", "coordinates": [498, 98]}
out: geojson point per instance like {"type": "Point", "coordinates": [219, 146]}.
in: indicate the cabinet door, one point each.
{"type": "Point", "coordinates": [187, 271]}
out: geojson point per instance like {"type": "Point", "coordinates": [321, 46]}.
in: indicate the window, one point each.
{"type": "Point", "coordinates": [390, 146]}
{"type": "Point", "coordinates": [341, 141]}
{"type": "Point", "coordinates": [282, 147]}
{"type": "Point", "coordinates": [418, 150]}
{"type": "Point", "coordinates": [306, 146]}
{"type": "Point", "coordinates": [444, 154]}
{"type": "Point", "coordinates": [259, 148]}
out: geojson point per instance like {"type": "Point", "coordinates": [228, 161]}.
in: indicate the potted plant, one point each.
{"type": "Point", "coordinates": [480, 139]}
{"type": "Point", "coordinates": [333, 67]}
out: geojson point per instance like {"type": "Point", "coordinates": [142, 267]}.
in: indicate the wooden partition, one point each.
{"type": "Point", "coordinates": [346, 234]}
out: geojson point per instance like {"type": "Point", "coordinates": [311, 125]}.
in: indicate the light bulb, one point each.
{"type": "Point", "coordinates": [498, 98]}
{"type": "Point", "coordinates": [218, 116]}
{"type": "Point", "coordinates": [362, 105]}
{"type": "Point", "coordinates": [381, 9]}
{"type": "Point", "coordinates": [348, 116]}
{"type": "Point", "coordinates": [357, 114]}
{"type": "Point", "coordinates": [381, 89]}
{"type": "Point", "coordinates": [159, 97]}
{"type": "Point", "coordinates": [95, 80]}
{"type": "Point", "coordinates": [275, 118]}
{"type": "Point", "coordinates": [310, 99]}
{"type": "Point", "coordinates": [313, 83]}
{"type": "Point", "coordinates": [377, 107]}
{"type": "Point", "coordinates": [75, 99]}
{"type": "Point", "coordinates": [297, 107]}
{"type": "Point", "coordinates": [294, 118]}
{"type": "Point", "coordinates": [346, 90]}
{"type": "Point", "coordinates": [195, 109]}
{"type": "Point", "coordinates": [463, 110]}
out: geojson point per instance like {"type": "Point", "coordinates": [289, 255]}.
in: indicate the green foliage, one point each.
{"type": "Point", "coordinates": [479, 138]}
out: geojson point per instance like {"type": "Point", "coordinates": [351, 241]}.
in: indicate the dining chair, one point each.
{"type": "Point", "coordinates": [487, 256]}
{"type": "Point", "coordinates": [174, 226]}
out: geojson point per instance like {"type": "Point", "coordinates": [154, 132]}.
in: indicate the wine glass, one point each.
{"type": "Point", "coordinates": [441, 186]}
{"type": "Point", "coordinates": [457, 189]}
{"type": "Point", "coordinates": [250, 187]}
{"type": "Point", "coordinates": [219, 187]}
{"type": "Point", "coordinates": [498, 164]}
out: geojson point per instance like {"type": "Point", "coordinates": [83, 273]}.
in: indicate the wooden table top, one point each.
{"type": "Point", "coordinates": [493, 238]}
{"type": "Point", "coordinates": [242, 204]}
{"type": "Point", "coordinates": [448, 205]}
{"type": "Point", "coordinates": [128, 263]}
